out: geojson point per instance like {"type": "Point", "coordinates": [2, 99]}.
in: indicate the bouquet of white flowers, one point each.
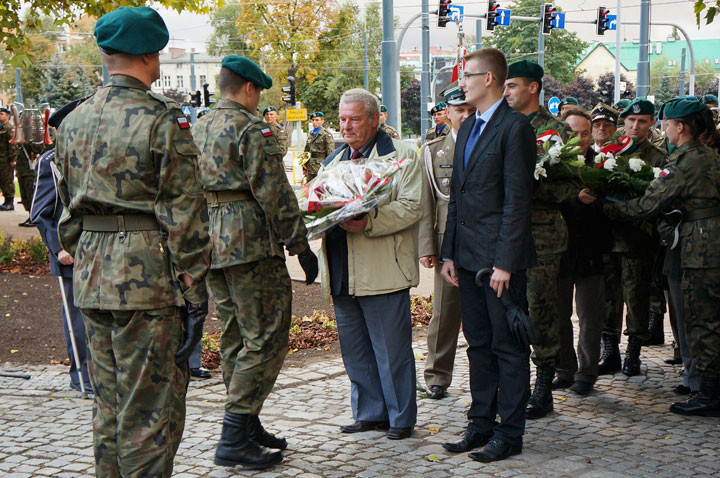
{"type": "Point", "coordinates": [555, 159]}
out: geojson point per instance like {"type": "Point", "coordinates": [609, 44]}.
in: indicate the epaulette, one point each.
{"type": "Point", "coordinates": [434, 141]}
{"type": "Point", "coordinates": [169, 102]}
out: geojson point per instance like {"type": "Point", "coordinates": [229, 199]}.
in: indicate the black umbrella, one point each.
{"type": "Point", "coordinates": [521, 325]}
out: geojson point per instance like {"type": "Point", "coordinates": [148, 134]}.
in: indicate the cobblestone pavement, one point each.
{"type": "Point", "coordinates": [622, 429]}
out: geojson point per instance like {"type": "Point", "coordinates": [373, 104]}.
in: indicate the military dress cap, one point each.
{"type": "Point", "coordinates": [267, 109]}
{"type": "Point", "coordinates": [603, 111]}
{"type": "Point", "coordinates": [438, 108]}
{"type": "Point", "coordinates": [568, 100]}
{"type": "Point", "coordinates": [248, 69]}
{"type": "Point", "coordinates": [131, 30]}
{"type": "Point", "coordinates": [318, 114]}
{"type": "Point", "coordinates": [621, 104]}
{"type": "Point", "coordinates": [639, 106]}
{"type": "Point", "coordinates": [710, 99]}
{"type": "Point", "coordinates": [5, 110]}
{"type": "Point", "coordinates": [525, 69]}
{"type": "Point", "coordinates": [679, 107]}
{"type": "Point", "coordinates": [383, 109]}
{"type": "Point", "coordinates": [454, 95]}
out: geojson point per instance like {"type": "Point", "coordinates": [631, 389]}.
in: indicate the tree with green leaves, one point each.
{"type": "Point", "coordinates": [710, 7]}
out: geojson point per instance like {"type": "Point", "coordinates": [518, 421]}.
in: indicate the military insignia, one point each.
{"type": "Point", "coordinates": [636, 108]}
{"type": "Point", "coordinates": [666, 173]}
{"type": "Point", "coordinates": [441, 153]}
{"type": "Point", "coordinates": [445, 182]}
{"type": "Point", "coordinates": [182, 122]}
{"type": "Point", "coordinates": [446, 166]}
{"type": "Point", "coordinates": [266, 132]}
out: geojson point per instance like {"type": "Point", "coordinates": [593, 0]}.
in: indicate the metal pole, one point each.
{"type": "Point", "coordinates": [365, 64]}
{"type": "Point", "coordinates": [478, 34]}
{"type": "Point", "coordinates": [618, 45]}
{"type": "Point", "coordinates": [541, 52]}
{"type": "Point", "coordinates": [78, 366]}
{"type": "Point", "coordinates": [193, 110]}
{"type": "Point", "coordinates": [18, 87]}
{"type": "Point", "coordinates": [390, 76]}
{"type": "Point", "coordinates": [681, 90]}
{"type": "Point", "coordinates": [643, 68]}
{"type": "Point", "coordinates": [425, 72]}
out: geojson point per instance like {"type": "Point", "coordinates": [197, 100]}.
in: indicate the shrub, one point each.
{"type": "Point", "coordinates": [7, 249]}
{"type": "Point", "coordinates": [37, 250]}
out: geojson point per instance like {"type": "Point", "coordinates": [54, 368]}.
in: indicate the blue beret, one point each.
{"type": "Point", "coordinates": [318, 114]}
{"type": "Point", "coordinates": [248, 69]}
{"type": "Point", "coordinates": [525, 69]}
{"type": "Point", "coordinates": [679, 107]}
{"type": "Point", "coordinates": [269, 108]}
{"type": "Point", "coordinates": [639, 106]}
{"type": "Point", "coordinates": [131, 30]}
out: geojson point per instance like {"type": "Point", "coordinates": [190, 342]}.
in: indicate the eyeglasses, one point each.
{"type": "Point", "coordinates": [470, 75]}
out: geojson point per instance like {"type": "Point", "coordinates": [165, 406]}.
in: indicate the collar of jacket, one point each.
{"type": "Point", "coordinates": [227, 104]}
{"type": "Point", "coordinates": [383, 145]}
{"type": "Point", "coordinates": [127, 82]}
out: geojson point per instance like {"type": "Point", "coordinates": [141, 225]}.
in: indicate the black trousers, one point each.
{"type": "Point", "coordinates": [499, 365]}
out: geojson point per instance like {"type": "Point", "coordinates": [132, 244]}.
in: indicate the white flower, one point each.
{"type": "Point", "coordinates": [554, 152]}
{"type": "Point", "coordinates": [581, 158]}
{"type": "Point", "coordinates": [540, 171]}
{"type": "Point", "coordinates": [656, 172]}
{"type": "Point", "coordinates": [599, 158]}
{"type": "Point", "coordinates": [610, 163]}
{"type": "Point", "coordinates": [636, 164]}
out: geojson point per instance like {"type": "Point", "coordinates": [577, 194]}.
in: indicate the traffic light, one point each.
{"type": "Point", "coordinates": [206, 95]}
{"type": "Point", "coordinates": [289, 98]}
{"type": "Point", "coordinates": [491, 16]}
{"type": "Point", "coordinates": [547, 18]}
{"type": "Point", "coordinates": [602, 22]}
{"type": "Point", "coordinates": [444, 13]}
{"type": "Point", "coordinates": [195, 100]}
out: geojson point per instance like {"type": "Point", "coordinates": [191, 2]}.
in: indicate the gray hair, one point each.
{"type": "Point", "coordinates": [372, 104]}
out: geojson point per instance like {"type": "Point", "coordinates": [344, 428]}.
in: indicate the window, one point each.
{"type": "Point", "coordinates": [180, 82]}
{"type": "Point", "coordinates": [707, 61]}
{"type": "Point", "coordinates": [203, 80]}
{"type": "Point", "coordinates": [166, 81]}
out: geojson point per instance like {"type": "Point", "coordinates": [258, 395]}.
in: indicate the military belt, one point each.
{"type": "Point", "coordinates": [121, 223]}
{"type": "Point", "coordinates": [216, 197]}
{"type": "Point", "coordinates": [704, 213]}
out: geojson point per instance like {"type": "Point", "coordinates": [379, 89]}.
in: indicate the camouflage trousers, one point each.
{"type": "Point", "coordinates": [139, 408]}
{"type": "Point", "coordinates": [633, 274]}
{"type": "Point", "coordinates": [701, 305]}
{"type": "Point", "coordinates": [310, 169]}
{"type": "Point", "coordinates": [7, 187]}
{"type": "Point", "coordinates": [253, 304]}
{"type": "Point", "coordinates": [26, 180]}
{"type": "Point", "coordinates": [542, 295]}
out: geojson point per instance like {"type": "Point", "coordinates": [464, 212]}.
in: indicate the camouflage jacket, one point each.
{"type": "Point", "coordinates": [8, 151]}
{"type": "Point", "coordinates": [320, 147]}
{"type": "Point", "coordinates": [549, 230]}
{"type": "Point", "coordinates": [240, 153]}
{"type": "Point", "coordinates": [392, 132]}
{"type": "Point", "coordinates": [126, 150]}
{"type": "Point", "coordinates": [691, 182]}
{"type": "Point", "coordinates": [431, 133]}
{"type": "Point", "coordinates": [282, 137]}
{"type": "Point", "coordinates": [437, 161]}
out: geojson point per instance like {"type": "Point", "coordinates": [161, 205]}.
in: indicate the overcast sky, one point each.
{"type": "Point", "coordinates": [192, 31]}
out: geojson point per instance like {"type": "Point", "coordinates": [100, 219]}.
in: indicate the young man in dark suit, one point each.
{"type": "Point", "coordinates": [488, 226]}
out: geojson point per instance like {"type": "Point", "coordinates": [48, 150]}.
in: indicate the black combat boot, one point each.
{"type": "Point", "coordinates": [541, 401]}
{"type": "Point", "coordinates": [657, 332]}
{"type": "Point", "coordinates": [261, 436]}
{"type": "Point", "coordinates": [631, 366]}
{"type": "Point", "coordinates": [610, 361]}
{"type": "Point", "coordinates": [236, 447]}
{"type": "Point", "coordinates": [705, 403]}
{"type": "Point", "coordinates": [8, 205]}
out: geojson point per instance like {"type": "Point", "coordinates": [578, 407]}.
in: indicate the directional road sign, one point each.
{"type": "Point", "coordinates": [187, 111]}
{"type": "Point", "coordinates": [611, 22]}
{"type": "Point", "coordinates": [503, 17]}
{"type": "Point", "coordinates": [558, 20]}
{"type": "Point", "coordinates": [553, 104]}
{"type": "Point", "coordinates": [456, 13]}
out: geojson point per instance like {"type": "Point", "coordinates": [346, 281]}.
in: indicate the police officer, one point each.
{"type": "Point", "coordinates": [437, 157]}
{"type": "Point", "coordinates": [441, 128]}
{"type": "Point", "coordinates": [566, 104]}
{"type": "Point", "coordinates": [254, 217]}
{"type": "Point", "coordinates": [270, 114]}
{"type": "Point", "coordinates": [135, 223]}
{"type": "Point", "coordinates": [320, 144]}
{"type": "Point", "coordinates": [550, 233]}
{"type": "Point", "coordinates": [8, 158]}
{"type": "Point", "coordinates": [386, 127]}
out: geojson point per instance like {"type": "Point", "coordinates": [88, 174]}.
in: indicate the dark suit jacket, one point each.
{"type": "Point", "coordinates": [488, 220]}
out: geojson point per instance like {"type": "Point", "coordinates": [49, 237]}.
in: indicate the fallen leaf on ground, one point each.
{"type": "Point", "coordinates": [434, 429]}
{"type": "Point", "coordinates": [14, 351]}
{"type": "Point", "coordinates": [433, 458]}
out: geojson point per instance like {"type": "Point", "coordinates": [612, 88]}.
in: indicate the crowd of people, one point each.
{"type": "Point", "coordinates": [157, 212]}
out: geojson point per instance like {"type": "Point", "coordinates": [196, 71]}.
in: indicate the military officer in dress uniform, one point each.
{"type": "Point", "coordinates": [437, 157]}
{"type": "Point", "coordinates": [386, 127]}
{"type": "Point", "coordinates": [319, 145]}
{"type": "Point", "coordinates": [441, 128]}
{"type": "Point", "coordinates": [8, 158]}
{"type": "Point", "coordinates": [604, 125]}
{"type": "Point", "coordinates": [270, 114]}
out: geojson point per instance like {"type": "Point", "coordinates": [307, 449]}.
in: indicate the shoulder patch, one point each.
{"type": "Point", "coordinates": [183, 122]}
{"type": "Point", "coordinates": [666, 173]}
{"type": "Point", "coordinates": [266, 132]}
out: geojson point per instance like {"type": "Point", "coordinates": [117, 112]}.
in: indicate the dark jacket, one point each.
{"type": "Point", "coordinates": [489, 211]}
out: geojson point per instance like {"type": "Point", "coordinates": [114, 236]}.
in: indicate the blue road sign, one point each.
{"type": "Point", "coordinates": [553, 104]}
{"type": "Point", "coordinates": [187, 111]}
{"type": "Point", "coordinates": [456, 13]}
{"type": "Point", "coordinates": [503, 17]}
{"type": "Point", "coordinates": [611, 22]}
{"type": "Point", "coordinates": [558, 20]}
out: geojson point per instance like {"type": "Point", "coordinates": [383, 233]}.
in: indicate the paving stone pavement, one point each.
{"type": "Point", "coordinates": [623, 429]}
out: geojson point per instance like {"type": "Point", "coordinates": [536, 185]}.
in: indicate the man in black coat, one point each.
{"type": "Point", "coordinates": [488, 226]}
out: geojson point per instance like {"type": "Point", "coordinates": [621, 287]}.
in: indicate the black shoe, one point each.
{"type": "Point", "coordinates": [367, 426]}
{"type": "Point", "coordinates": [200, 372]}
{"type": "Point", "coordinates": [8, 205]}
{"type": "Point", "coordinates": [674, 361]}
{"type": "Point", "coordinates": [495, 450]}
{"type": "Point", "coordinates": [631, 366]}
{"type": "Point", "coordinates": [541, 401]}
{"type": "Point", "coordinates": [27, 223]}
{"type": "Point", "coordinates": [435, 392]}
{"type": "Point", "coordinates": [657, 334]}
{"type": "Point", "coordinates": [472, 439]}
{"type": "Point", "coordinates": [263, 438]}
{"type": "Point", "coordinates": [610, 361]}
{"type": "Point", "coordinates": [559, 383]}
{"type": "Point", "coordinates": [581, 387]}
{"type": "Point", "coordinates": [236, 447]}
{"type": "Point", "coordinates": [399, 433]}
{"type": "Point", "coordinates": [682, 390]}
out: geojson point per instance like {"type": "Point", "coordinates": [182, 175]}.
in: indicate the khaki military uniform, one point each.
{"type": "Point", "coordinates": [690, 182]}
{"type": "Point", "coordinates": [282, 137]}
{"type": "Point", "coordinates": [253, 213]}
{"type": "Point", "coordinates": [134, 221]}
{"type": "Point", "coordinates": [550, 235]}
{"type": "Point", "coordinates": [8, 155]}
{"type": "Point", "coordinates": [392, 132]}
{"type": "Point", "coordinates": [437, 157]}
{"type": "Point", "coordinates": [319, 146]}
{"type": "Point", "coordinates": [431, 133]}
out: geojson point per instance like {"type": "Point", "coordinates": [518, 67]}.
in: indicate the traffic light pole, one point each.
{"type": "Point", "coordinates": [193, 110]}
{"type": "Point", "coordinates": [425, 74]}
{"type": "Point", "coordinates": [618, 43]}
{"type": "Point", "coordinates": [390, 71]}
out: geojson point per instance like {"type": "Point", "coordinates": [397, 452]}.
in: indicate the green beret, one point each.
{"type": "Point", "coordinates": [318, 114]}
{"type": "Point", "coordinates": [639, 106]}
{"type": "Point", "coordinates": [710, 99]}
{"type": "Point", "coordinates": [679, 107]}
{"type": "Point", "coordinates": [569, 100]}
{"type": "Point", "coordinates": [525, 69]}
{"type": "Point", "coordinates": [246, 68]}
{"type": "Point", "coordinates": [438, 108]}
{"type": "Point", "coordinates": [5, 110]}
{"type": "Point", "coordinates": [269, 108]}
{"type": "Point", "coordinates": [454, 95]}
{"type": "Point", "coordinates": [383, 109]}
{"type": "Point", "coordinates": [131, 30]}
{"type": "Point", "coordinates": [621, 104]}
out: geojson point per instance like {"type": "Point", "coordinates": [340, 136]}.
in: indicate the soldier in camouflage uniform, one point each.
{"type": "Point", "coordinates": [320, 144]}
{"type": "Point", "coordinates": [550, 233]}
{"type": "Point", "coordinates": [441, 128]}
{"type": "Point", "coordinates": [437, 157]}
{"type": "Point", "coordinates": [270, 115]}
{"type": "Point", "coordinates": [253, 214]}
{"type": "Point", "coordinates": [8, 158]}
{"type": "Point", "coordinates": [691, 183]}
{"type": "Point", "coordinates": [386, 127]}
{"type": "Point", "coordinates": [135, 222]}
